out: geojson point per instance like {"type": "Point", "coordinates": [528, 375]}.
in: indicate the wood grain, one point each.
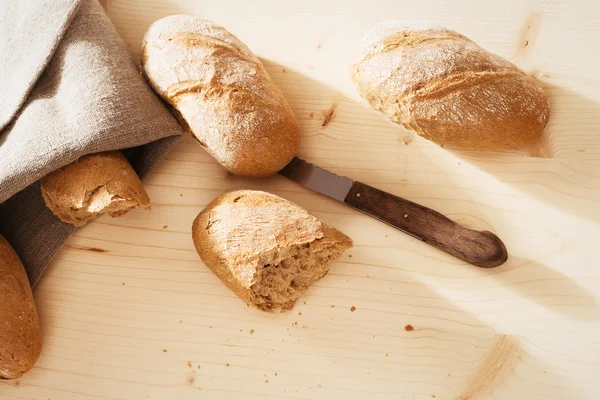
{"type": "Point", "coordinates": [123, 290]}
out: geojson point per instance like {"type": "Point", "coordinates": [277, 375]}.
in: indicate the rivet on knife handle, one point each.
{"type": "Point", "coordinates": [480, 248]}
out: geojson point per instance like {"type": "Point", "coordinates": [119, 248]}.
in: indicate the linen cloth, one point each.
{"type": "Point", "coordinates": [68, 87]}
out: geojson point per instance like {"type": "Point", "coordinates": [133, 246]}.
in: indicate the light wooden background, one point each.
{"type": "Point", "coordinates": [130, 312]}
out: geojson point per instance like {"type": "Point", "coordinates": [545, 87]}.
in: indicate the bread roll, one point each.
{"type": "Point", "coordinates": [448, 89]}
{"type": "Point", "coordinates": [267, 250]}
{"type": "Point", "coordinates": [20, 338]}
{"type": "Point", "coordinates": [102, 183]}
{"type": "Point", "coordinates": [222, 94]}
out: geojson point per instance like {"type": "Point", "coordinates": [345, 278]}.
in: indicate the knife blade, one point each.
{"type": "Point", "coordinates": [481, 248]}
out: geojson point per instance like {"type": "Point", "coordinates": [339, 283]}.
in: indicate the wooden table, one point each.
{"type": "Point", "coordinates": [129, 311]}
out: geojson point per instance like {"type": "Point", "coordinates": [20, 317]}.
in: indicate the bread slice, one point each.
{"type": "Point", "coordinates": [20, 338]}
{"type": "Point", "coordinates": [102, 183]}
{"type": "Point", "coordinates": [267, 250]}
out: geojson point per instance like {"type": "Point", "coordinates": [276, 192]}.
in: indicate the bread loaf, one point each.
{"type": "Point", "coordinates": [20, 339]}
{"type": "Point", "coordinates": [102, 183]}
{"type": "Point", "coordinates": [267, 250]}
{"type": "Point", "coordinates": [222, 94]}
{"type": "Point", "coordinates": [448, 89]}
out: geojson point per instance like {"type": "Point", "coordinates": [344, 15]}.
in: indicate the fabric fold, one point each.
{"type": "Point", "coordinates": [75, 92]}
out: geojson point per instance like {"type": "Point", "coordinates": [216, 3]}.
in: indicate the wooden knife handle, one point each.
{"type": "Point", "coordinates": [480, 248]}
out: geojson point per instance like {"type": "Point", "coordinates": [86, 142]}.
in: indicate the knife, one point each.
{"type": "Point", "coordinates": [480, 248]}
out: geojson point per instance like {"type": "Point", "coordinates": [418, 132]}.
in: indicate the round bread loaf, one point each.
{"type": "Point", "coordinates": [448, 89]}
{"type": "Point", "coordinates": [267, 250]}
{"type": "Point", "coordinates": [222, 94]}
{"type": "Point", "coordinates": [20, 338]}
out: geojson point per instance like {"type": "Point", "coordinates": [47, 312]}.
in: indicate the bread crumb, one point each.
{"type": "Point", "coordinates": [164, 350]}
{"type": "Point", "coordinates": [296, 323]}
{"type": "Point", "coordinates": [210, 326]}
{"type": "Point", "coordinates": [241, 330]}
{"type": "Point", "coordinates": [165, 226]}
{"type": "Point", "coordinates": [266, 381]}
{"type": "Point", "coordinates": [433, 395]}
{"type": "Point", "coordinates": [357, 194]}
{"type": "Point", "coordinates": [312, 115]}
{"type": "Point", "coordinates": [352, 309]}
{"type": "Point", "coordinates": [181, 321]}
{"type": "Point", "coordinates": [300, 313]}
{"type": "Point", "coordinates": [409, 328]}
{"type": "Point", "coordinates": [333, 306]}
{"type": "Point", "coordinates": [386, 354]}
{"type": "Point", "coordinates": [123, 284]}
{"type": "Point", "coordinates": [191, 380]}
{"type": "Point", "coordinates": [198, 367]}
{"type": "Point", "coordinates": [283, 70]}
{"type": "Point", "coordinates": [349, 255]}
{"type": "Point", "coordinates": [385, 236]}
{"type": "Point", "coordinates": [304, 302]}
{"type": "Point", "coordinates": [227, 365]}
{"type": "Point", "coordinates": [252, 331]}
{"type": "Point", "coordinates": [180, 194]}
{"type": "Point", "coordinates": [405, 215]}
{"type": "Point", "coordinates": [275, 373]}
{"type": "Point", "coordinates": [189, 363]}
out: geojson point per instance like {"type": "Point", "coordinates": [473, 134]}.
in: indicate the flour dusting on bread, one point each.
{"type": "Point", "coordinates": [445, 87]}
{"type": "Point", "coordinates": [223, 94]}
{"type": "Point", "coordinates": [266, 249]}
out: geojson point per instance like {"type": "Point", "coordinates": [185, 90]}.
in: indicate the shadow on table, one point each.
{"type": "Point", "coordinates": [429, 331]}
{"type": "Point", "coordinates": [566, 170]}
{"type": "Point", "coordinates": [547, 287]}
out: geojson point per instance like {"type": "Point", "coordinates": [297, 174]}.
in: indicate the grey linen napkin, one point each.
{"type": "Point", "coordinates": [68, 87]}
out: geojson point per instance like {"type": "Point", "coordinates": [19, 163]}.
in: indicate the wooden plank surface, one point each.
{"type": "Point", "coordinates": [129, 311]}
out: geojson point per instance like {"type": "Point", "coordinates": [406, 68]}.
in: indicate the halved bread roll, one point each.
{"type": "Point", "coordinates": [267, 250]}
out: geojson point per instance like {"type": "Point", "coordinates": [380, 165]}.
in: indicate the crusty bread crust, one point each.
{"type": "Point", "coordinates": [101, 183]}
{"type": "Point", "coordinates": [20, 338]}
{"type": "Point", "coordinates": [446, 88]}
{"type": "Point", "coordinates": [222, 93]}
{"type": "Point", "coordinates": [243, 233]}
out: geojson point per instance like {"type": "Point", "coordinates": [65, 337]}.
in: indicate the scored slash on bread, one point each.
{"type": "Point", "coordinates": [102, 183]}
{"type": "Point", "coordinates": [221, 93]}
{"type": "Point", "coordinates": [448, 89]}
{"type": "Point", "coordinates": [267, 250]}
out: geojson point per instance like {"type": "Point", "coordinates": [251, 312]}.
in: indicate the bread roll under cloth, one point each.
{"type": "Point", "coordinates": [101, 183]}
{"type": "Point", "coordinates": [267, 250]}
{"type": "Point", "coordinates": [221, 93]}
{"type": "Point", "coordinates": [446, 88]}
